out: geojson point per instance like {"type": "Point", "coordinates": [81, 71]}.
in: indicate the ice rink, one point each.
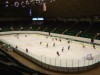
{"type": "Point", "coordinates": [45, 48]}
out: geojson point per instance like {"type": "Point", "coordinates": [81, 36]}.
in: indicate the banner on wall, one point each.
{"type": "Point", "coordinates": [44, 7]}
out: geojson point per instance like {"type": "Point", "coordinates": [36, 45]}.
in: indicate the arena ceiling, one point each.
{"type": "Point", "coordinates": [58, 8]}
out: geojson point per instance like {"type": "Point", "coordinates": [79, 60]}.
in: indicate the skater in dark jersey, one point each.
{"type": "Point", "coordinates": [62, 49]}
{"type": "Point", "coordinates": [58, 53]}
{"type": "Point", "coordinates": [68, 47]}
{"type": "Point", "coordinates": [26, 50]}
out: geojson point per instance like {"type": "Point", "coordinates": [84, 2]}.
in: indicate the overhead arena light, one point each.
{"type": "Point", "coordinates": [38, 19]}
{"type": "Point", "coordinates": [40, 2]}
{"type": "Point", "coordinates": [24, 3]}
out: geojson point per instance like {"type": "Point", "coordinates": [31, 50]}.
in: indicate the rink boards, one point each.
{"type": "Point", "coordinates": [75, 57]}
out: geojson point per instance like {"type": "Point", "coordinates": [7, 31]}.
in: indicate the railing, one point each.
{"type": "Point", "coordinates": [64, 65]}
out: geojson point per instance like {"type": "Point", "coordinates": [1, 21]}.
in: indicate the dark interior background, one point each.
{"type": "Point", "coordinates": [58, 8]}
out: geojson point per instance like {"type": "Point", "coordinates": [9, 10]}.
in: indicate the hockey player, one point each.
{"type": "Point", "coordinates": [62, 49]}
{"type": "Point", "coordinates": [40, 43]}
{"type": "Point", "coordinates": [25, 35]}
{"type": "Point", "coordinates": [47, 45]}
{"type": "Point", "coordinates": [83, 46]}
{"type": "Point", "coordinates": [68, 41]}
{"type": "Point", "coordinates": [56, 39]}
{"type": "Point", "coordinates": [16, 46]}
{"type": "Point", "coordinates": [68, 47]}
{"type": "Point", "coordinates": [94, 46]}
{"type": "Point", "coordinates": [60, 40]}
{"type": "Point", "coordinates": [53, 44]}
{"type": "Point", "coordinates": [26, 50]}
{"type": "Point", "coordinates": [58, 53]}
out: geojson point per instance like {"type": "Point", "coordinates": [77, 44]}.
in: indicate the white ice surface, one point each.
{"type": "Point", "coordinates": [73, 57]}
